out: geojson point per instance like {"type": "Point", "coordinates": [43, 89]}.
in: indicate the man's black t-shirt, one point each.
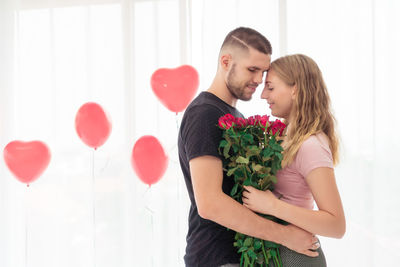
{"type": "Point", "coordinates": [208, 243]}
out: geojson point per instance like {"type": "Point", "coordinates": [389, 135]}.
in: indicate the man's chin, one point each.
{"type": "Point", "coordinates": [246, 98]}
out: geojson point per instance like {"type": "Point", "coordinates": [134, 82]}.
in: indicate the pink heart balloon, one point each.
{"type": "Point", "coordinates": [27, 160]}
{"type": "Point", "coordinates": [175, 88]}
{"type": "Point", "coordinates": [92, 125]}
{"type": "Point", "coordinates": [149, 159]}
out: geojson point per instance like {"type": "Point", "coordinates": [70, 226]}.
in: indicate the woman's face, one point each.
{"type": "Point", "coordinates": [279, 95]}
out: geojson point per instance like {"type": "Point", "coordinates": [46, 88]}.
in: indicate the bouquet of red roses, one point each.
{"type": "Point", "coordinates": [252, 154]}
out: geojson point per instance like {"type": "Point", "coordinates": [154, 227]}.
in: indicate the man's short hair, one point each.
{"type": "Point", "coordinates": [244, 38]}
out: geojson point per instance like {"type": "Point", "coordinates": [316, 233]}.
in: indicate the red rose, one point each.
{"type": "Point", "coordinates": [251, 120]}
{"type": "Point", "coordinates": [240, 123]}
{"type": "Point", "coordinates": [277, 126]}
{"type": "Point", "coordinates": [226, 121]}
{"type": "Point", "coordinates": [264, 120]}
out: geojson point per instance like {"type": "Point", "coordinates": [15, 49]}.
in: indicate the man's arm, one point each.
{"type": "Point", "coordinates": [213, 204]}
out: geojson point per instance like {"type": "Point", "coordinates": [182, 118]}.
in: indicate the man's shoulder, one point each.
{"type": "Point", "coordinates": [206, 104]}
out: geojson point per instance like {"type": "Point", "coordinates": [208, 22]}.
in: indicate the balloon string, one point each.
{"type": "Point", "coordinates": [94, 211]}
{"type": "Point", "coordinates": [152, 235]}
{"type": "Point", "coordinates": [151, 212]}
{"type": "Point", "coordinates": [26, 225]}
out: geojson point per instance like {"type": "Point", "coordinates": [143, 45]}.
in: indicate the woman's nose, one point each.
{"type": "Point", "coordinates": [264, 94]}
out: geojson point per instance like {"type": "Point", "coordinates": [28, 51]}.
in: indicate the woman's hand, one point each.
{"type": "Point", "coordinates": [259, 201]}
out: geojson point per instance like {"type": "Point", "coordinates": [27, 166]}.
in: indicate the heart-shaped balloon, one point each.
{"type": "Point", "coordinates": [149, 159]}
{"type": "Point", "coordinates": [92, 124]}
{"type": "Point", "coordinates": [175, 88]}
{"type": "Point", "coordinates": [27, 160]}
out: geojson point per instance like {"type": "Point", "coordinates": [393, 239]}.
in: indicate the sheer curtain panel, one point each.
{"type": "Point", "coordinates": [90, 209]}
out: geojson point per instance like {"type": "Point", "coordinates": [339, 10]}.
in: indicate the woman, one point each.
{"type": "Point", "coordinates": [296, 92]}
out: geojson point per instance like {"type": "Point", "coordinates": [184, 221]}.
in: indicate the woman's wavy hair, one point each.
{"type": "Point", "coordinates": [311, 112]}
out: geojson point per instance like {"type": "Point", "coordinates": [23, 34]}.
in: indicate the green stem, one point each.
{"type": "Point", "coordinates": [279, 257]}
{"type": "Point", "coordinates": [245, 171]}
{"type": "Point", "coordinates": [265, 139]}
{"type": "Point", "coordinates": [276, 262]}
{"type": "Point", "coordinates": [265, 255]}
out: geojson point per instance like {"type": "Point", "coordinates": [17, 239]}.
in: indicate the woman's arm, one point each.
{"type": "Point", "coordinates": [328, 220]}
{"type": "Point", "coordinates": [213, 204]}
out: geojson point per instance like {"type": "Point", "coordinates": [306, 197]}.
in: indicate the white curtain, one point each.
{"type": "Point", "coordinates": [56, 55]}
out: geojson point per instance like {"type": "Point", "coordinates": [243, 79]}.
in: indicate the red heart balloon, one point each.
{"type": "Point", "coordinates": [149, 159]}
{"type": "Point", "coordinates": [92, 125]}
{"type": "Point", "coordinates": [175, 88]}
{"type": "Point", "coordinates": [27, 160]}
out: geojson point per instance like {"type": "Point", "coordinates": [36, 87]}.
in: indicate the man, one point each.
{"type": "Point", "coordinates": [244, 57]}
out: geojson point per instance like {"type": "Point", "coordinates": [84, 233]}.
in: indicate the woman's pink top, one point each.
{"type": "Point", "coordinates": [292, 185]}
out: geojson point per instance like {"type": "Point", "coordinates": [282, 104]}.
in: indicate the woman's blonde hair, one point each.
{"type": "Point", "coordinates": [311, 112]}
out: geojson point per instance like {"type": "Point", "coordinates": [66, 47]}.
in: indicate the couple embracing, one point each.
{"type": "Point", "coordinates": [295, 91]}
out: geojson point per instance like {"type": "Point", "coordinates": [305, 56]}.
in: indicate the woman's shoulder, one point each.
{"type": "Point", "coordinates": [314, 153]}
{"type": "Point", "coordinates": [320, 139]}
{"type": "Point", "coordinates": [315, 142]}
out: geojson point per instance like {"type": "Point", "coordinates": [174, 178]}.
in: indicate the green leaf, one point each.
{"type": "Point", "coordinates": [260, 259]}
{"type": "Point", "coordinates": [257, 167]}
{"type": "Point", "coordinates": [266, 159]}
{"type": "Point", "coordinates": [234, 189]}
{"type": "Point", "coordinates": [248, 241]}
{"type": "Point", "coordinates": [235, 147]}
{"type": "Point", "coordinates": [273, 179]}
{"type": "Point", "coordinates": [264, 183]}
{"type": "Point", "coordinates": [279, 155]}
{"type": "Point", "coordinates": [242, 249]}
{"type": "Point", "coordinates": [227, 147]}
{"type": "Point", "coordinates": [231, 171]}
{"type": "Point", "coordinates": [246, 260]}
{"type": "Point", "coordinates": [247, 182]}
{"type": "Point", "coordinates": [223, 143]}
{"type": "Point", "coordinates": [252, 254]}
{"type": "Point", "coordinates": [257, 244]}
{"type": "Point", "coordinates": [243, 160]}
{"type": "Point", "coordinates": [248, 137]}
{"type": "Point", "coordinates": [267, 153]}
{"type": "Point", "coordinates": [252, 151]}
{"type": "Point", "coordinates": [269, 244]}
{"type": "Point", "coordinates": [239, 173]}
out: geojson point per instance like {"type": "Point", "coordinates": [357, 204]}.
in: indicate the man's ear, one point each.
{"type": "Point", "coordinates": [225, 61]}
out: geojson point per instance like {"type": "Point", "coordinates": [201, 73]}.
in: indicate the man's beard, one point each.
{"type": "Point", "coordinates": [235, 88]}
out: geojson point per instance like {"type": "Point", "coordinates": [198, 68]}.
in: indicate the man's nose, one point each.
{"type": "Point", "coordinates": [259, 77]}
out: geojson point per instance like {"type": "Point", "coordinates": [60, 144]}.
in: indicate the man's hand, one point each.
{"type": "Point", "coordinates": [301, 241]}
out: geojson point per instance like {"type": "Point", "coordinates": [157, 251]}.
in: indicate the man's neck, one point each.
{"type": "Point", "coordinates": [219, 89]}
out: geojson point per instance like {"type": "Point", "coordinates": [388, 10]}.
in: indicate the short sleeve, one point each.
{"type": "Point", "coordinates": [201, 134]}
{"type": "Point", "coordinates": [314, 153]}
